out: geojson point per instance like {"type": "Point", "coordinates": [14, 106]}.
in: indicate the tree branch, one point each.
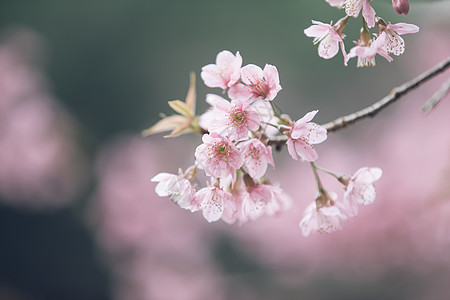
{"type": "Point", "coordinates": [437, 97]}
{"type": "Point", "coordinates": [373, 109]}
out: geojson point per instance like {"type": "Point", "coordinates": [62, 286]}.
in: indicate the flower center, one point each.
{"type": "Point", "coordinates": [222, 150]}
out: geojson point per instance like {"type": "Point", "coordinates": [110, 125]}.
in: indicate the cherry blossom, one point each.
{"type": "Point", "coordinates": [259, 199]}
{"type": "Point", "coordinates": [233, 119]}
{"type": "Point", "coordinates": [329, 38]}
{"type": "Point", "coordinates": [366, 51]}
{"type": "Point", "coordinates": [303, 135]}
{"type": "Point", "coordinates": [254, 202]}
{"type": "Point", "coordinates": [225, 73]}
{"type": "Point", "coordinates": [353, 7]}
{"type": "Point", "coordinates": [257, 156]}
{"type": "Point", "coordinates": [393, 42]}
{"type": "Point", "coordinates": [401, 7]}
{"type": "Point", "coordinates": [279, 202]}
{"type": "Point", "coordinates": [359, 188]}
{"type": "Point", "coordinates": [212, 202]}
{"type": "Point", "coordinates": [218, 156]}
{"type": "Point", "coordinates": [321, 219]}
{"type": "Point", "coordinates": [257, 83]}
{"type": "Point", "coordinates": [179, 189]}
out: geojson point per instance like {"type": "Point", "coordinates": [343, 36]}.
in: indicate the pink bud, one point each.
{"type": "Point", "coordinates": [401, 7]}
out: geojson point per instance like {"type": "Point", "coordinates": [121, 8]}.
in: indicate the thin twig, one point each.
{"type": "Point", "coordinates": [373, 109]}
{"type": "Point", "coordinates": [438, 96]}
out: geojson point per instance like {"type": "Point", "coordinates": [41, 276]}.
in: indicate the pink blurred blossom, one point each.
{"type": "Point", "coordinates": [157, 250]}
{"type": "Point", "coordinates": [41, 163]}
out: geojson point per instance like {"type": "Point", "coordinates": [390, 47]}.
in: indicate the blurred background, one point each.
{"type": "Point", "coordinates": [79, 218]}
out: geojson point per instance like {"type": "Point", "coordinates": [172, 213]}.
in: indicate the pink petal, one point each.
{"type": "Point", "coordinates": [211, 77]}
{"type": "Point", "coordinates": [364, 193]}
{"type": "Point", "coordinates": [328, 47]}
{"type": "Point", "coordinates": [317, 30]}
{"type": "Point", "coordinates": [305, 151]}
{"type": "Point", "coordinates": [251, 74]}
{"type": "Point", "coordinates": [367, 175]}
{"type": "Point", "coordinates": [314, 133]}
{"type": "Point", "coordinates": [291, 148]}
{"type": "Point", "coordinates": [213, 99]}
{"type": "Point", "coordinates": [225, 57]}
{"type": "Point", "coordinates": [306, 118]}
{"type": "Point", "coordinates": [236, 75]}
{"type": "Point", "coordinates": [256, 168]}
{"type": "Point", "coordinates": [272, 78]}
{"type": "Point", "coordinates": [240, 92]}
{"type": "Point", "coordinates": [253, 120]}
{"type": "Point", "coordinates": [212, 205]}
{"type": "Point", "coordinates": [403, 28]}
{"type": "Point", "coordinates": [368, 13]}
{"type": "Point", "coordinates": [353, 7]}
{"type": "Point", "coordinates": [335, 2]}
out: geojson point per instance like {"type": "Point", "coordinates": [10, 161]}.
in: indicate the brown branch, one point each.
{"type": "Point", "coordinates": [373, 109]}
{"type": "Point", "coordinates": [437, 97]}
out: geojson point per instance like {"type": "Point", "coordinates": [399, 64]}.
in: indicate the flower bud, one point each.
{"type": "Point", "coordinates": [401, 7]}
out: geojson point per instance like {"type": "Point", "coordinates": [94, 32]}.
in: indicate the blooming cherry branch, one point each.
{"type": "Point", "coordinates": [386, 41]}
{"type": "Point", "coordinates": [238, 133]}
{"type": "Point", "coordinates": [235, 152]}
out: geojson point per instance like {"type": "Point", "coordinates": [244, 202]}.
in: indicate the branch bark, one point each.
{"type": "Point", "coordinates": [373, 109]}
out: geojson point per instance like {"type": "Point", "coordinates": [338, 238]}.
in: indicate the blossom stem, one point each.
{"type": "Point", "coordinates": [316, 175]}
{"type": "Point", "coordinates": [328, 172]}
{"type": "Point", "coordinates": [274, 109]}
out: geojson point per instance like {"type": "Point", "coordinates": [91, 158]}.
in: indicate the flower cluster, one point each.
{"type": "Point", "coordinates": [327, 211]}
{"type": "Point", "coordinates": [387, 41]}
{"type": "Point", "coordinates": [236, 151]}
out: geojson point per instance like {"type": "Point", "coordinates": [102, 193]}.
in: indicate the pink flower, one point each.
{"type": "Point", "coordinates": [280, 201]}
{"type": "Point", "coordinates": [263, 199]}
{"type": "Point", "coordinates": [254, 202]}
{"type": "Point", "coordinates": [218, 156]}
{"type": "Point", "coordinates": [213, 202]}
{"type": "Point", "coordinates": [328, 38]}
{"type": "Point", "coordinates": [256, 157]}
{"type": "Point", "coordinates": [366, 51]}
{"type": "Point", "coordinates": [360, 189]}
{"type": "Point", "coordinates": [353, 7]}
{"type": "Point", "coordinates": [401, 7]}
{"type": "Point", "coordinates": [393, 42]}
{"type": "Point", "coordinates": [336, 3]}
{"type": "Point", "coordinates": [258, 83]}
{"type": "Point", "coordinates": [324, 219]}
{"type": "Point", "coordinates": [225, 73]}
{"type": "Point", "coordinates": [234, 119]}
{"type": "Point", "coordinates": [177, 188]}
{"type": "Point", "coordinates": [303, 135]}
